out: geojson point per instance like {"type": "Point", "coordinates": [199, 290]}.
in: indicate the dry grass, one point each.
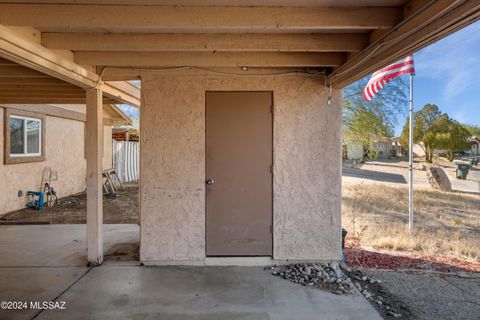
{"type": "Point", "coordinates": [446, 223]}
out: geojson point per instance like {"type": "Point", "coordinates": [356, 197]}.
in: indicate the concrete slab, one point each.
{"type": "Point", "coordinates": [47, 263]}
{"type": "Point", "coordinates": [114, 292]}
{"type": "Point", "coordinates": [56, 245]}
{"type": "Point", "coordinates": [34, 284]}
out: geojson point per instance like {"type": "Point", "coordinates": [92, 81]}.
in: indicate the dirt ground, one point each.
{"type": "Point", "coordinates": [430, 273]}
{"type": "Point", "coordinates": [445, 223]}
{"type": "Point", "coordinates": [122, 208]}
{"type": "Point", "coordinates": [426, 295]}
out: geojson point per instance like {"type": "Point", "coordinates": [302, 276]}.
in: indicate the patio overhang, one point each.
{"type": "Point", "coordinates": [85, 50]}
{"type": "Point", "coordinates": [31, 73]}
{"type": "Point", "coordinates": [115, 40]}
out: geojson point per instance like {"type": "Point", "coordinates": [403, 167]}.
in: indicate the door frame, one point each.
{"type": "Point", "coordinates": [272, 113]}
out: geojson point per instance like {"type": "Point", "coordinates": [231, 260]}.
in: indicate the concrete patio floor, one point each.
{"type": "Point", "coordinates": [47, 263]}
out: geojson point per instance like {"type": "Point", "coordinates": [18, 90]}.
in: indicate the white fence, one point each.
{"type": "Point", "coordinates": [125, 160]}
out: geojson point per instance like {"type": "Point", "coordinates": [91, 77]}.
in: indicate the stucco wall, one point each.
{"type": "Point", "coordinates": [64, 152]}
{"type": "Point", "coordinates": [307, 165]}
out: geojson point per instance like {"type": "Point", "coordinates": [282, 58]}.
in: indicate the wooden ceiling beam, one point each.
{"type": "Point", "coordinates": [33, 81]}
{"type": "Point", "coordinates": [33, 56]}
{"type": "Point", "coordinates": [18, 71]}
{"type": "Point", "coordinates": [209, 59]}
{"type": "Point", "coordinates": [341, 42]}
{"type": "Point", "coordinates": [435, 22]}
{"type": "Point", "coordinates": [49, 100]}
{"type": "Point", "coordinates": [118, 18]}
{"type": "Point", "coordinates": [14, 86]}
{"type": "Point", "coordinates": [33, 90]}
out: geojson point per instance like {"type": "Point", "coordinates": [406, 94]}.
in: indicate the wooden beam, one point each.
{"type": "Point", "coordinates": [118, 74]}
{"type": "Point", "coordinates": [94, 150]}
{"type": "Point", "coordinates": [5, 62]}
{"type": "Point", "coordinates": [18, 71]}
{"type": "Point", "coordinates": [41, 100]}
{"type": "Point", "coordinates": [41, 95]}
{"type": "Point", "coordinates": [209, 59]}
{"type": "Point", "coordinates": [118, 18]}
{"type": "Point", "coordinates": [20, 99]}
{"type": "Point", "coordinates": [334, 42]}
{"type": "Point", "coordinates": [435, 22]}
{"type": "Point", "coordinates": [33, 81]}
{"type": "Point", "coordinates": [34, 56]}
{"type": "Point", "coordinates": [39, 88]}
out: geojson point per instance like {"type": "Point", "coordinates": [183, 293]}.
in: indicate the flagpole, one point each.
{"type": "Point", "coordinates": [410, 159]}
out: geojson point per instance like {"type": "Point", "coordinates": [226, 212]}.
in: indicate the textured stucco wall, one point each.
{"type": "Point", "coordinates": [307, 165]}
{"type": "Point", "coordinates": [64, 151]}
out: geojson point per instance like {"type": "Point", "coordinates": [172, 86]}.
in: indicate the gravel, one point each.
{"type": "Point", "coordinates": [326, 276]}
{"type": "Point", "coordinates": [372, 288]}
{"type": "Point", "coordinates": [342, 280]}
{"type": "Point", "coordinates": [395, 294]}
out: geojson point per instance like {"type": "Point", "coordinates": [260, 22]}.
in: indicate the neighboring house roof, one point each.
{"type": "Point", "coordinates": [119, 116]}
{"type": "Point", "coordinates": [475, 140]}
{"type": "Point", "coordinates": [124, 133]}
{"type": "Point", "coordinates": [72, 111]}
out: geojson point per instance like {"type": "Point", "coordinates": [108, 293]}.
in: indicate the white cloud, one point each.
{"type": "Point", "coordinates": [454, 60]}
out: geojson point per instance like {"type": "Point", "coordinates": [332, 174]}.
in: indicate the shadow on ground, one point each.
{"type": "Point", "coordinates": [373, 175]}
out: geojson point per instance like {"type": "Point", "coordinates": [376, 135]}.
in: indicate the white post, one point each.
{"type": "Point", "coordinates": [410, 160]}
{"type": "Point", "coordinates": [94, 148]}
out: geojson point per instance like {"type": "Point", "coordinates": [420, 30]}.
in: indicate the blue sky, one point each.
{"type": "Point", "coordinates": [448, 75]}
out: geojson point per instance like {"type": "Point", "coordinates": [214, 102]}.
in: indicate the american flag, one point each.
{"type": "Point", "coordinates": [382, 77]}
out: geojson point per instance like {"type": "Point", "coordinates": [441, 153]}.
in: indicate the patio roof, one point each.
{"type": "Point", "coordinates": [343, 39]}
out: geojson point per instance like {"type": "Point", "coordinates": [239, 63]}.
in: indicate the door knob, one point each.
{"type": "Point", "coordinates": [210, 181]}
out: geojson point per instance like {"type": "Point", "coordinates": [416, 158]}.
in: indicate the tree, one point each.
{"type": "Point", "coordinates": [472, 129]}
{"type": "Point", "coordinates": [456, 138]}
{"type": "Point", "coordinates": [427, 123]}
{"type": "Point", "coordinates": [366, 121]}
{"type": "Point", "coordinates": [434, 130]}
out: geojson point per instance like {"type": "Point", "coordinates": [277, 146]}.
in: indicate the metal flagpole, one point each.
{"type": "Point", "coordinates": [410, 160]}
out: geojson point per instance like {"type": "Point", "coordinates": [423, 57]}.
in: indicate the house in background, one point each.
{"type": "Point", "coordinates": [381, 148]}
{"type": "Point", "coordinates": [34, 137]}
{"type": "Point", "coordinates": [125, 133]}
{"type": "Point", "coordinates": [397, 149]}
{"type": "Point", "coordinates": [378, 149]}
{"type": "Point", "coordinates": [475, 146]}
{"type": "Point", "coordinates": [355, 150]}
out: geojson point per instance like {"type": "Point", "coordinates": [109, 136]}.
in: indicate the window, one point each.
{"type": "Point", "coordinates": [24, 137]}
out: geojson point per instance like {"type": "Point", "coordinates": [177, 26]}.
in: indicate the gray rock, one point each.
{"type": "Point", "coordinates": [307, 270]}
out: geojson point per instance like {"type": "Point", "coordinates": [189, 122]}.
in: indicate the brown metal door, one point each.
{"type": "Point", "coordinates": [238, 173]}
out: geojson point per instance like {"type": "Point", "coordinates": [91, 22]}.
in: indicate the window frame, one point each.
{"type": "Point", "coordinates": [25, 116]}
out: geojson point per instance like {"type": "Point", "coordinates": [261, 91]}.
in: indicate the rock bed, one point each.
{"type": "Point", "coordinates": [331, 276]}
{"type": "Point", "coordinates": [327, 276]}
{"type": "Point", "coordinates": [372, 290]}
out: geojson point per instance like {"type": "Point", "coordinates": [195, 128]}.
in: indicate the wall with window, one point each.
{"type": "Point", "coordinates": [60, 147]}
